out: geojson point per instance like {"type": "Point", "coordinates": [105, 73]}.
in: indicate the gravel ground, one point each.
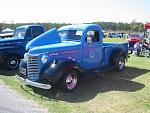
{"type": "Point", "coordinates": [10, 102]}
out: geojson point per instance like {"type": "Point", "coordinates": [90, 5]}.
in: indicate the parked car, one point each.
{"type": "Point", "coordinates": [13, 49]}
{"type": "Point", "coordinates": [133, 38]}
{"type": "Point", "coordinates": [120, 35]}
{"type": "Point", "coordinates": [126, 35]}
{"type": "Point", "coordinates": [60, 57]}
{"type": "Point", "coordinates": [113, 35]}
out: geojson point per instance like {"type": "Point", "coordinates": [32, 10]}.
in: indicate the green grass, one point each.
{"type": "Point", "coordinates": [114, 92]}
{"type": "Point", "coordinates": [115, 40]}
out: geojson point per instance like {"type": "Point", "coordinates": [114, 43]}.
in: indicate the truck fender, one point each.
{"type": "Point", "coordinates": [56, 69]}
{"type": "Point", "coordinates": [115, 54]}
{"type": "Point", "coordinates": [23, 64]}
{"type": "Point", "coordinates": [18, 50]}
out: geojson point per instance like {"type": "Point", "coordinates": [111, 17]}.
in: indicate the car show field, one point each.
{"type": "Point", "coordinates": [109, 92]}
{"type": "Point", "coordinates": [62, 56]}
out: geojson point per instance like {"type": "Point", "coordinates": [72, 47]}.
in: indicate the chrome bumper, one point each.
{"type": "Point", "coordinates": [35, 84]}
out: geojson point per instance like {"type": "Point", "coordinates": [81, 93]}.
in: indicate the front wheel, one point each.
{"type": "Point", "coordinates": [69, 81]}
{"type": "Point", "coordinates": [12, 62]}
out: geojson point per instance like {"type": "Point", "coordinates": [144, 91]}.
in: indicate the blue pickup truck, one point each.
{"type": "Point", "coordinates": [13, 49]}
{"type": "Point", "coordinates": [60, 57]}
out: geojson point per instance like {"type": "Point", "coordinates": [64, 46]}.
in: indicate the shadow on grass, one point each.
{"type": "Point", "coordinates": [89, 88]}
{"type": "Point", "coordinates": [7, 72]}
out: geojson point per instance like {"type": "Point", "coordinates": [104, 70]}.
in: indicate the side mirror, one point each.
{"type": "Point", "coordinates": [89, 40]}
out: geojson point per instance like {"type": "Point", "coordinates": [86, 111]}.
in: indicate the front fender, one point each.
{"type": "Point", "coordinates": [52, 72]}
{"type": "Point", "coordinates": [23, 69]}
{"type": "Point", "coordinates": [19, 50]}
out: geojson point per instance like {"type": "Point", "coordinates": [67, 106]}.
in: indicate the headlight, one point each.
{"type": "Point", "coordinates": [44, 59]}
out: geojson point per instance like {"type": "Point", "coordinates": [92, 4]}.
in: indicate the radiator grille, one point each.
{"type": "Point", "coordinates": [33, 67]}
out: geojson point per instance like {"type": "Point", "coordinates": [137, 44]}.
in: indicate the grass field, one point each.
{"type": "Point", "coordinates": [115, 40]}
{"type": "Point", "coordinates": [113, 92]}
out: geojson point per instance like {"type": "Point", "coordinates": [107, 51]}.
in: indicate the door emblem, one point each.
{"type": "Point", "coordinates": [92, 54]}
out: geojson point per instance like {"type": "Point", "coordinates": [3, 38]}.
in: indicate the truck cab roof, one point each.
{"type": "Point", "coordinates": [28, 26]}
{"type": "Point", "coordinates": [79, 27]}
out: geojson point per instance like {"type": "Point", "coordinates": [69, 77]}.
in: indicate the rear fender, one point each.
{"type": "Point", "coordinates": [117, 52]}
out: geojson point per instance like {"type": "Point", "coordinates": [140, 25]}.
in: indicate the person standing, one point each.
{"type": "Point", "coordinates": [137, 48]}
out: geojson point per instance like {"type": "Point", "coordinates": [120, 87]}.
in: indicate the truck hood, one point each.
{"type": "Point", "coordinates": [56, 48]}
{"type": "Point", "coordinates": [49, 37]}
{"type": "Point", "coordinates": [9, 41]}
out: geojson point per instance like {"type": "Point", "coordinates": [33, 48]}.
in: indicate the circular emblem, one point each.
{"type": "Point", "coordinates": [92, 54]}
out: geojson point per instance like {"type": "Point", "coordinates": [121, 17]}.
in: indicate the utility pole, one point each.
{"type": "Point", "coordinates": [3, 27]}
{"type": "Point", "coordinates": [12, 26]}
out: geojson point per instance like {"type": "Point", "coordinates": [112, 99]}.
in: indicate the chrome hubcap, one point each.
{"type": "Point", "coordinates": [121, 63]}
{"type": "Point", "coordinates": [71, 81]}
{"type": "Point", "coordinates": [13, 63]}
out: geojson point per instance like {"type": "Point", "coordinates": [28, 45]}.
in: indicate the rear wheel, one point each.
{"type": "Point", "coordinates": [120, 63]}
{"type": "Point", "coordinates": [69, 81]}
{"type": "Point", "coordinates": [118, 60]}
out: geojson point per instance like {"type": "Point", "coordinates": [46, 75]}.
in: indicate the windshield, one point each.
{"type": "Point", "coordinates": [20, 33]}
{"type": "Point", "coordinates": [70, 35]}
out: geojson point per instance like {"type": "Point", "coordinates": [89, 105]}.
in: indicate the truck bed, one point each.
{"type": "Point", "coordinates": [108, 48]}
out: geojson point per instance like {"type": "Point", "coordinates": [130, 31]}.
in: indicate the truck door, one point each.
{"type": "Point", "coordinates": [92, 50]}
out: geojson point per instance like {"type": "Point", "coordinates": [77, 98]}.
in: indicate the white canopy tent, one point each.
{"type": "Point", "coordinates": [7, 33]}
{"type": "Point", "coordinates": [7, 30]}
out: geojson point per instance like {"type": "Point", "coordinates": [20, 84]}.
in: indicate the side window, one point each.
{"type": "Point", "coordinates": [94, 34]}
{"type": "Point", "coordinates": [35, 32]}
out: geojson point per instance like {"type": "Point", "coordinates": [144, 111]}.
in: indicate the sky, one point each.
{"type": "Point", "coordinates": [74, 11]}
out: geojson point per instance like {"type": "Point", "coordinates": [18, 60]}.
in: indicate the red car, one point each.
{"type": "Point", "coordinates": [134, 38]}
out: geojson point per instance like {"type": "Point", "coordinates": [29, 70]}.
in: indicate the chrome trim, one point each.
{"type": "Point", "coordinates": [33, 66]}
{"type": "Point", "coordinates": [35, 84]}
{"type": "Point", "coordinates": [22, 71]}
{"type": "Point", "coordinates": [37, 54]}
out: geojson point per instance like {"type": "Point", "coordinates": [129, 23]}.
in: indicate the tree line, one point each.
{"type": "Point", "coordinates": [126, 27]}
{"type": "Point", "coordinates": [108, 26]}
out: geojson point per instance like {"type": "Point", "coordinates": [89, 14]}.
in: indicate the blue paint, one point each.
{"type": "Point", "coordinates": [49, 37]}
{"type": "Point", "coordinates": [89, 56]}
{"type": "Point", "coordinates": [16, 45]}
